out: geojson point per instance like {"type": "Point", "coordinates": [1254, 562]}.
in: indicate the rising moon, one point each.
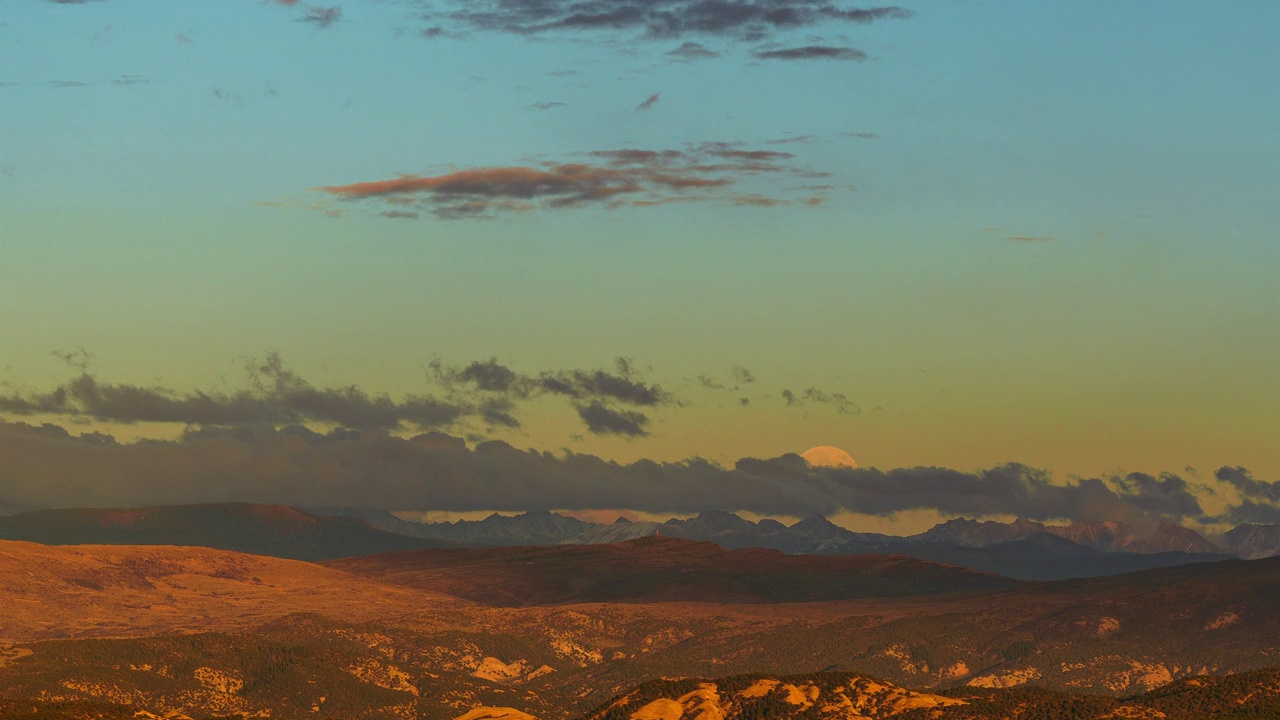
{"type": "Point", "coordinates": [827, 456]}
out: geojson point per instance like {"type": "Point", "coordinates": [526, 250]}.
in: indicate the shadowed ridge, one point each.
{"type": "Point", "coordinates": [662, 569]}
{"type": "Point", "coordinates": [259, 529]}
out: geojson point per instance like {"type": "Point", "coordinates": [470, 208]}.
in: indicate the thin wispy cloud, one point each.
{"type": "Point", "coordinates": [649, 102]}
{"type": "Point", "coordinates": [812, 52]}
{"type": "Point", "coordinates": [321, 17]}
{"type": "Point", "coordinates": [614, 178]}
{"type": "Point", "coordinates": [690, 50]}
{"type": "Point", "coordinates": [838, 401]}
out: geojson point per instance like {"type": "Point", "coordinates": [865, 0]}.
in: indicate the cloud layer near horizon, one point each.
{"type": "Point", "coordinates": [46, 466]}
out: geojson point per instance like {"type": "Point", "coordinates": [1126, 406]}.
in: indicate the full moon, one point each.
{"type": "Point", "coordinates": [827, 456]}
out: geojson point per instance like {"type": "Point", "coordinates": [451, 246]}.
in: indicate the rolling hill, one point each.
{"type": "Point", "coordinates": [109, 590]}
{"type": "Point", "coordinates": [201, 632]}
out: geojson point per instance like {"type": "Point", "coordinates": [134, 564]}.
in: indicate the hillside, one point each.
{"type": "Point", "coordinates": [105, 590]}
{"type": "Point", "coordinates": [845, 696]}
{"type": "Point", "coordinates": [659, 569]}
{"type": "Point", "coordinates": [273, 530]}
{"type": "Point", "coordinates": [205, 632]}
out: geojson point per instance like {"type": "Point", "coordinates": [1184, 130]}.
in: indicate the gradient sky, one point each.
{"type": "Point", "coordinates": [1047, 232]}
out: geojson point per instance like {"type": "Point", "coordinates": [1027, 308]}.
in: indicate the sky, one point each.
{"type": "Point", "coordinates": [943, 234]}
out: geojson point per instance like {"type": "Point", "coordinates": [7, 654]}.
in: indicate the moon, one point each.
{"type": "Point", "coordinates": [828, 456]}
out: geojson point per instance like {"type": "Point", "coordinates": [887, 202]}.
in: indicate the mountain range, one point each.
{"type": "Point", "coordinates": [1021, 549]}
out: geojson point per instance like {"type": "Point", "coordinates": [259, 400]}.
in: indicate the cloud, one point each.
{"type": "Point", "coordinates": [649, 102]}
{"type": "Point", "coordinates": [602, 420]}
{"type": "Point", "coordinates": [276, 395]}
{"type": "Point", "coordinates": [862, 135]}
{"type": "Point", "coordinates": [1260, 500]}
{"type": "Point", "coordinates": [70, 2]}
{"type": "Point", "coordinates": [487, 392]}
{"type": "Point", "coordinates": [594, 394]}
{"type": "Point", "coordinates": [746, 20]}
{"type": "Point", "coordinates": [738, 374]}
{"type": "Point", "coordinates": [46, 466]}
{"type": "Point", "coordinates": [615, 178]}
{"type": "Point", "coordinates": [812, 52]}
{"type": "Point", "coordinates": [689, 51]}
{"type": "Point", "coordinates": [546, 105]}
{"type": "Point", "coordinates": [839, 401]}
{"type": "Point", "coordinates": [1029, 238]}
{"type": "Point", "coordinates": [1167, 495]}
{"type": "Point", "coordinates": [1247, 486]}
{"type": "Point", "coordinates": [321, 17]}
{"type": "Point", "coordinates": [227, 96]}
{"type": "Point", "coordinates": [793, 140]}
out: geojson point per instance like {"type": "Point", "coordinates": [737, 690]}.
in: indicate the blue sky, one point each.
{"type": "Point", "coordinates": [1048, 232]}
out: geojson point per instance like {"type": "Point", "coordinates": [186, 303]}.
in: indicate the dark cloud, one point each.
{"type": "Point", "coordinates": [1167, 495]}
{"type": "Point", "coordinates": [490, 376]}
{"type": "Point", "coordinates": [1260, 501]}
{"type": "Point", "coordinates": [1029, 238]}
{"type": "Point", "coordinates": [862, 135]}
{"type": "Point", "coordinates": [276, 395]}
{"type": "Point", "coordinates": [839, 401]}
{"type": "Point", "coordinates": [1249, 511]}
{"type": "Point", "coordinates": [742, 375]}
{"type": "Point", "coordinates": [594, 394]}
{"type": "Point", "coordinates": [546, 105]}
{"type": "Point", "coordinates": [321, 17]}
{"type": "Point", "coordinates": [749, 20]}
{"type": "Point", "coordinates": [690, 50]}
{"type": "Point", "coordinates": [621, 385]}
{"type": "Point", "coordinates": [602, 420]}
{"type": "Point", "coordinates": [812, 52]}
{"type": "Point", "coordinates": [45, 466]}
{"type": "Point", "coordinates": [581, 384]}
{"type": "Point", "coordinates": [1244, 483]}
{"type": "Point", "coordinates": [484, 391]}
{"type": "Point", "coordinates": [649, 102]}
{"type": "Point", "coordinates": [699, 173]}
